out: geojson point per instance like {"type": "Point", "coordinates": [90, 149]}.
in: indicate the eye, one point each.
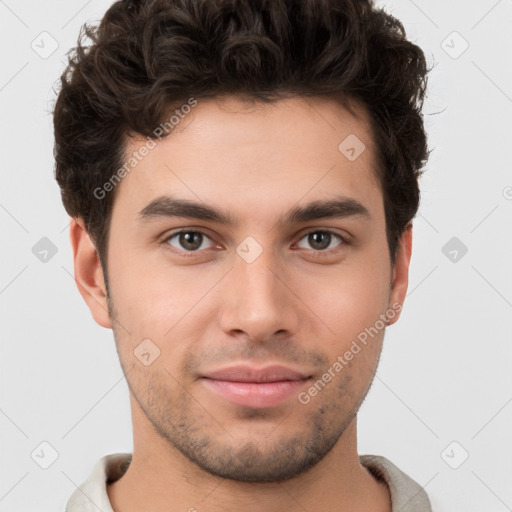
{"type": "Point", "coordinates": [188, 241]}
{"type": "Point", "coordinates": [321, 240]}
{"type": "Point", "coordinates": [194, 241]}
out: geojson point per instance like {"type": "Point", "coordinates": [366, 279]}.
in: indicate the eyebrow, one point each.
{"type": "Point", "coordinates": [167, 206]}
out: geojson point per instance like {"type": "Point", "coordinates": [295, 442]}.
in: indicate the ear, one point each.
{"type": "Point", "coordinates": [400, 279]}
{"type": "Point", "coordinates": [88, 273]}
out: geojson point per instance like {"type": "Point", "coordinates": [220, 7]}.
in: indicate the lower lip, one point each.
{"type": "Point", "coordinates": [254, 394]}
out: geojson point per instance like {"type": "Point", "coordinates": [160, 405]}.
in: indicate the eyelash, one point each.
{"type": "Point", "coordinates": [187, 254]}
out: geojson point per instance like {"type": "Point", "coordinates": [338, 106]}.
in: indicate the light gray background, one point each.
{"type": "Point", "coordinates": [445, 370]}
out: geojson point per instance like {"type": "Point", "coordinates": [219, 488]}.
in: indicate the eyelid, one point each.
{"type": "Point", "coordinates": [186, 230]}
{"type": "Point", "coordinates": [344, 239]}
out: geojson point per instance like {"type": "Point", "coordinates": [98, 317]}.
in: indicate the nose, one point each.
{"type": "Point", "coordinates": [258, 300]}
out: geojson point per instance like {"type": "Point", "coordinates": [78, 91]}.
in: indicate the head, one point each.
{"type": "Point", "coordinates": [255, 110]}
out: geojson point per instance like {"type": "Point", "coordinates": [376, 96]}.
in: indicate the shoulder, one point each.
{"type": "Point", "coordinates": [92, 493]}
{"type": "Point", "coordinates": [406, 494]}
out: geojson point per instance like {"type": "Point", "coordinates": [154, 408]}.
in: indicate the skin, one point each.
{"type": "Point", "coordinates": [294, 305]}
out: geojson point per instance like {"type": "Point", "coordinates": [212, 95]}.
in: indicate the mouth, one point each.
{"type": "Point", "coordinates": [258, 388]}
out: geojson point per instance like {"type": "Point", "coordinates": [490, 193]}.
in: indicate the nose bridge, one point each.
{"type": "Point", "coordinates": [258, 302]}
{"type": "Point", "coordinates": [259, 281]}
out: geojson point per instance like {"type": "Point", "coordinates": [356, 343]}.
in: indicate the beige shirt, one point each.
{"type": "Point", "coordinates": [91, 496]}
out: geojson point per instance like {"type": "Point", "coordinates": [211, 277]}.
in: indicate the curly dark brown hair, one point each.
{"type": "Point", "coordinates": [147, 57]}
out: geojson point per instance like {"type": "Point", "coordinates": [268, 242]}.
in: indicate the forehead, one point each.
{"type": "Point", "coordinates": [257, 157]}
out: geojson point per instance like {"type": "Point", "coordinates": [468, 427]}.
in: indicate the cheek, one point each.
{"type": "Point", "coordinates": [143, 292]}
{"type": "Point", "coordinates": [157, 305]}
{"type": "Point", "coordinates": [345, 301]}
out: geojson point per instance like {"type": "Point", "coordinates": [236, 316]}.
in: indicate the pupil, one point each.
{"type": "Point", "coordinates": [315, 236]}
{"type": "Point", "coordinates": [185, 240]}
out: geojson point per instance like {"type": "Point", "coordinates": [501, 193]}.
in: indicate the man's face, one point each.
{"type": "Point", "coordinates": [265, 290]}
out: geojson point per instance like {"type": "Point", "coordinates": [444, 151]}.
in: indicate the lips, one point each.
{"type": "Point", "coordinates": [252, 387]}
{"type": "Point", "coordinates": [275, 373]}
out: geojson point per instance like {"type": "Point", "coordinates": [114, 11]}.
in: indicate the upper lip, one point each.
{"type": "Point", "coordinates": [244, 373]}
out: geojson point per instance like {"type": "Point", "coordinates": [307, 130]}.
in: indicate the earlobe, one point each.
{"type": "Point", "coordinates": [88, 273]}
{"type": "Point", "coordinates": [400, 279]}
